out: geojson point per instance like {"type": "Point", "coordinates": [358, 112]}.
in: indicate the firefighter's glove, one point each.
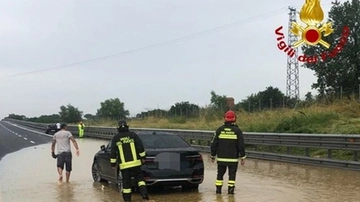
{"type": "Point", "coordinates": [53, 155]}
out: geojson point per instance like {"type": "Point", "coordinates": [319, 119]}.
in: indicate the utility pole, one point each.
{"type": "Point", "coordinates": [292, 81]}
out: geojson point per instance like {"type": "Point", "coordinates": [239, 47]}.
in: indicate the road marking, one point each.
{"type": "Point", "coordinates": [32, 142]}
{"type": "Point", "coordinates": [20, 136]}
{"type": "Point", "coordinates": [40, 133]}
{"type": "Point", "coordinates": [15, 133]}
{"type": "Point", "coordinates": [25, 138]}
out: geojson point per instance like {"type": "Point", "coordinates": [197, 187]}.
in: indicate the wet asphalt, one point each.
{"type": "Point", "coordinates": [28, 173]}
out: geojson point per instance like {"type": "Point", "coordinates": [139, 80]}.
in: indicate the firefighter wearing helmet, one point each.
{"type": "Point", "coordinates": [228, 146]}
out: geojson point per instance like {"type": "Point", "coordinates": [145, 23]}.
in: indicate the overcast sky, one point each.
{"type": "Point", "coordinates": [236, 60]}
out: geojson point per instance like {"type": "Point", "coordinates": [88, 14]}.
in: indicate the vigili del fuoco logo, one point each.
{"type": "Point", "coordinates": [312, 15]}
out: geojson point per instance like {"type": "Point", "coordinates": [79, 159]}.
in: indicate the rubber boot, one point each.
{"type": "Point", "coordinates": [127, 197]}
{"type": "Point", "coordinates": [218, 189]}
{"type": "Point", "coordinates": [231, 190]}
{"type": "Point", "coordinates": [143, 192]}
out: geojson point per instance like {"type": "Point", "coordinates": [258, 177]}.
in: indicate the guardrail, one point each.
{"type": "Point", "coordinates": [291, 148]}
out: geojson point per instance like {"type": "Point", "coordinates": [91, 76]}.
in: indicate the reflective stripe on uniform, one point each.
{"type": "Point", "coordinates": [224, 136]}
{"type": "Point", "coordinates": [219, 183]}
{"type": "Point", "coordinates": [130, 164]}
{"type": "Point", "coordinates": [142, 154]}
{"type": "Point", "coordinates": [141, 183]}
{"type": "Point", "coordinates": [121, 151]}
{"type": "Point", "coordinates": [112, 160]}
{"type": "Point", "coordinates": [227, 160]}
{"type": "Point", "coordinates": [126, 191]}
{"type": "Point", "coordinates": [231, 183]}
{"type": "Point", "coordinates": [133, 151]}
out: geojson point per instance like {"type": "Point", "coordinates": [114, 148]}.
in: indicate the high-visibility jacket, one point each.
{"type": "Point", "coordinates": [228, 144]}
{"type": "Point", "coordinates": [81, 126]}
{"type": "Point", "coordinates": [127, 149]}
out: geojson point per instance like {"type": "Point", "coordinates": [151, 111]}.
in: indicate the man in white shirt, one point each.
{"type": "Point", "coordinates": [64, 155]}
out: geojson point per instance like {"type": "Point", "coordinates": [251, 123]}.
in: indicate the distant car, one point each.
{"type": "Point", "coordinates": [170, 161]}
{"type": "Point", "coordinates": [51, 129]}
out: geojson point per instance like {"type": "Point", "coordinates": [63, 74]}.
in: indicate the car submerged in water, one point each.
{"type": "Point", "coordinates": [170, 161]}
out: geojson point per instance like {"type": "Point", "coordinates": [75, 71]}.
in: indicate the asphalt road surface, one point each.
{"type": "Point", "coordinates": [14, 138]}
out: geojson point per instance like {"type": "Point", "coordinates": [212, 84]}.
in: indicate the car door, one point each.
{"type": "Point", "coordinates": [105, 162]}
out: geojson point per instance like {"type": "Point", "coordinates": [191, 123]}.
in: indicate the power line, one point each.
{"type": "Point", "coordinates": [169, 42]}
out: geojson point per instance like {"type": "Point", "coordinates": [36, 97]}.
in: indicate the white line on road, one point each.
{"type": "Point", "coordinates": [20, 136]}
{"type": "Point", "coordinates": [40, 133]}
{"type": "Point", "coordinates": [32, 142]}
{"type": "Point", "coordinates": [25, 138]}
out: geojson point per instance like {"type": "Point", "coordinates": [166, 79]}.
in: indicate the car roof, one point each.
{"type": "Point", "coordinates": [155, 133]}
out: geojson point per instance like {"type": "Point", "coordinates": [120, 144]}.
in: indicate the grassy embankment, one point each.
{"type": "Point", "coordinates": [341, 117]}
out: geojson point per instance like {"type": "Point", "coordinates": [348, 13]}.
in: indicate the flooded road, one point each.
{"type": "Point", "coordinates": [30, 175]}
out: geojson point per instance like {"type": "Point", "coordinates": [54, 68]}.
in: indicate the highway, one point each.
{"type": "Point", "coordinates": [14, 138]}
{"type": "Point", "coordinates": [29, 173]}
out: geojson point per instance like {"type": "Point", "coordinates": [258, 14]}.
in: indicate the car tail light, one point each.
{"type": "Point", "coordinates": [149, 159]}
{"type": "Point", "coordinates": [198, 176]}
{"type": "Point", "coordinates": [197, 157]}
{"type": "Point", "coordinates": [146, 175]}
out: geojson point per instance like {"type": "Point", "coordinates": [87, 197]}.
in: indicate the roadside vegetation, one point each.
{"type": "Point", "coordinates": [339, 117]}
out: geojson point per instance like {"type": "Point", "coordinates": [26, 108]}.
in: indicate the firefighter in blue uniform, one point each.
{"type": "Point", "coordinates": [228, 146]}
{"type": "Point", "coordinates": [127, 147]}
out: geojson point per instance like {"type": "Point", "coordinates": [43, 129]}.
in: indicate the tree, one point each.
{"type": "Point", "coordinates": [54, 118]}
{"type": "Point", "coordinates": [185, 109]}
{"type": "Point", "coordinates": [113, 109]}
{"type": "Point", "coordinates": [89, 116]}
{"type": "Point", "coordinates": [17, 117]}
{"type": "Point", "coordinates": [342, 72]}
{"type": "Point", "coordinates": [218, 101]}
{"type": "Point", "coordinates": [70, 114]}
{"type": "Point", "coordinates": [158, 113]}
{"type": "Point", "coordinates": [270, 98]}
{"type": "Point", "coordinates": [309, 97]}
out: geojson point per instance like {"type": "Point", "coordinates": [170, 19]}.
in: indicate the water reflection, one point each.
{"type": "Point", "coordinates": [65, 192]}
{"type": "Point", "coordinates": [30, 175]}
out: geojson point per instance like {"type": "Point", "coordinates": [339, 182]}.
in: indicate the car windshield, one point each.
{"type": "Point", "coordinates": [151, 141]}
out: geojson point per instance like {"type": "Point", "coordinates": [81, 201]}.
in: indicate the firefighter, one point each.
{"type": "Point", "coordinates": [81, 127]}
{"type": "Point", "coordinates": [228, 145]}
{"type": "Point", "coordinates": [127, 147]}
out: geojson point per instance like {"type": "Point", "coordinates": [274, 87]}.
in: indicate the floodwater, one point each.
{"type": "Point", "coordinates": [30, 175]}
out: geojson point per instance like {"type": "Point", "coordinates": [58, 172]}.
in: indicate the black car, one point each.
{"type": "Point", "coordinates": [51, 129]}
{"type": "Point", "coordinates": [170, 161]}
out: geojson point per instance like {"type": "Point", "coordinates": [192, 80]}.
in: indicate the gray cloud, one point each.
{"type": "Point", "coordinates": [40, 34]}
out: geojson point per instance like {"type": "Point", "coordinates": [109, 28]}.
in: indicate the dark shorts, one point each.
{"type": "Point", "coordinates": [65, 158]}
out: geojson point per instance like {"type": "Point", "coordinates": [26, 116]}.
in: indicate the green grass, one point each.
{"type": "Point", "coordinates": [336, 118]}
{"type": "Point", "coordinates": [340, 117]}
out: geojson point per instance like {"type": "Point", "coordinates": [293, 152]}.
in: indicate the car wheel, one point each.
{"type": "Point", "coordinates": [96, 172]}
{"type": "Point", "coordinates": [190, 186]}
{"type": "Point", "coordinates": [119, 181]}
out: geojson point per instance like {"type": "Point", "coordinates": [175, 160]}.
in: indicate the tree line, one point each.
{"type": "Point", "coordinates": [114, 109]}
